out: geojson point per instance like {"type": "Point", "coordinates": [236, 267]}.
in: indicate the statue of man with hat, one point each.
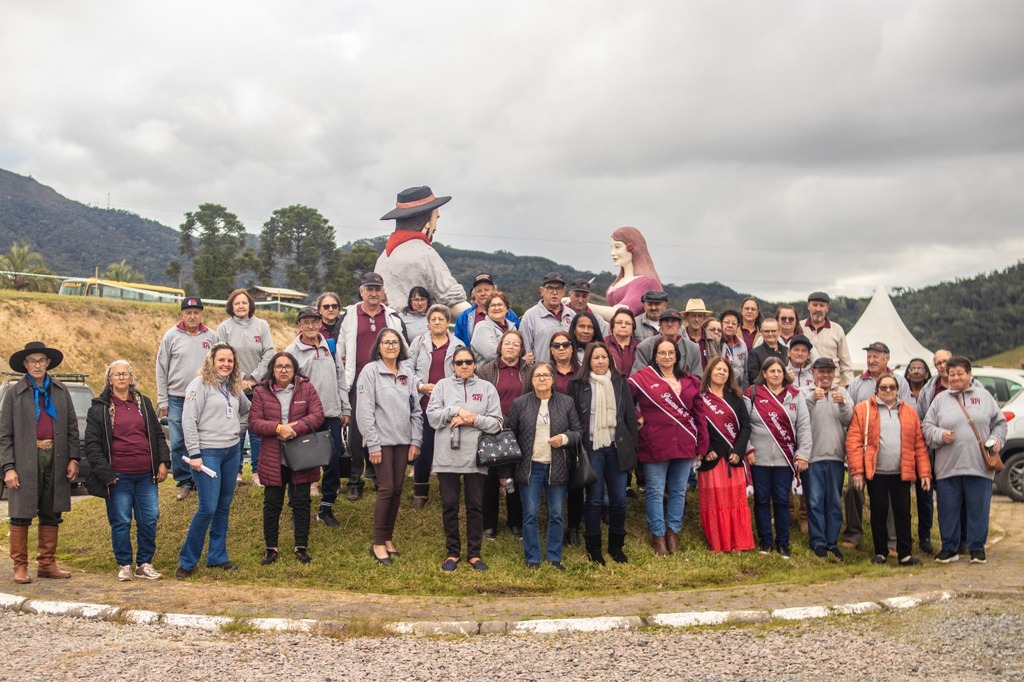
{"type": "Point", "coordinates": [409, 259]}
{"type": "Point", "coordinates": [39, 453]}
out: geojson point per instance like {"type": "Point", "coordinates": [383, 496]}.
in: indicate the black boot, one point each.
{"type": "Point", "coordinates": [615, 542]}
{"type": "Point", "coordinates": [572, 536]}
{"type": "Point", "coordinates": [594, 548]}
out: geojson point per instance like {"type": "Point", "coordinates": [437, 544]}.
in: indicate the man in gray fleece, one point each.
{"type": "Point", "coordinates": [178, 360]}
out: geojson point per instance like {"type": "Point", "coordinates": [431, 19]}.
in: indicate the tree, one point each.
{"type": "Point", "coordinates": [346, 270]}
{"type": "Point", "coordinates": [122, 272]}
{"type": "Point", "coordinates": [221, 253]}
{"type": "Point", "coordinates": [23, 260]}
{"type": "Point", "coordinates": [303, 237]}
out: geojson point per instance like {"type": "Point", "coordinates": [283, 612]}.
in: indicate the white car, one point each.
{"type": "Point", "coordinates": [1010, 481]}
{"type": "Point", "coordinates": [1003, 384]}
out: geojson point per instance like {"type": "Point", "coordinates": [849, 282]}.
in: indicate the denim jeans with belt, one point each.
{"type": "Point", "coordinates": [215, 495]}
{"type": "Point", "coordinates": [671, 475]}
{"type": "Point", "coordinates": [531, 494]}
{"type": "Point", "coordinates": [133, 494]}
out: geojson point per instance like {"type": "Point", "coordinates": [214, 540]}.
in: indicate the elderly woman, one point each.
{"type": "Point", "coordinates": [509, 374]}
{"type": "Point", "coordinates": [129, 457]}
{"type": "Point", "coordinates": [461, 408]}
{"type": "Point", "coordinates": [584, 329]}
{"type": "Point", "coordinates": [885, 447]}
{"type": "Point", "coordinates": [431, 355]}
{"type": "Point", "coordinates": [778, 451]}
{"type": "Point", "coordinates": [489, 331]}
{"type": "Point", "coordinates": [721, 483]}
{"type": "Point", "coordinates": [673, 433]}
{"type": "Point", "coordinates": [212, 420]}
{"type": "Point", "coordinates": [959, 421]}
{"type": "Point", "coordinates": [608, 418]}
{"type": "Point", "coordinates": [39, 456]}
{"type": "Point", "coordinates": [391, 421]}
{"type": "Point", "coordinates": [546, 425]}
{"type": "Point", "coordinates": [284, 406]}
{"type": "Point", "coordinates": [250, 337]}
{"type": "Point", "coordinates": [415, 314]}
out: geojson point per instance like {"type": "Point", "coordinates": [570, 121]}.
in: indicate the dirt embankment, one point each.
{"type": "Point", "coordinates": [93, 332]}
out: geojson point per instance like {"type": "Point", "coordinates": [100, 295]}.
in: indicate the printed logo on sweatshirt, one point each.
{"type": "Point", "coordinates": [257, 339]}
{"type": "Point", "coordinates": [206, 345]}
{"type": "Point", "coordinates": [478, 397]}
{"type": "Point", "coordinates": [191, 395]}
{"type": "Point", "coordinates": [403, 381]}
{"type": "Point", "coordinates": [975, 401]}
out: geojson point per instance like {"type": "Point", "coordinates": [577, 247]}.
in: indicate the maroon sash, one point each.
{"type": "Point", "coordinates": [722, 417]}
{"type": "Point", "coordinates": [775, 416]}
{"type": "Point", "coordinates": [658, 391]}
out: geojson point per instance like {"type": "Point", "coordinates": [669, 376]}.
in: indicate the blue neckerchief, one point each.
{"type": "Point", "coordinates": [43, 392]}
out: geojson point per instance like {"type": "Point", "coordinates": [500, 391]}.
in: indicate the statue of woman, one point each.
{"type": "Point", "coordinates": [636, 270]}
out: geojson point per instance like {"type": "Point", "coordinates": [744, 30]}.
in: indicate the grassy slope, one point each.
{"type": "Point", "coordinates": [1011, 358]}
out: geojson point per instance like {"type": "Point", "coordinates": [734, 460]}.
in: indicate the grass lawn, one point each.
{"type": "Point", "coordinates": [341, 558]}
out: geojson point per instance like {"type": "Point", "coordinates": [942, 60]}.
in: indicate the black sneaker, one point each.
{"type": "Point", "coordinates": [632, 494]}
{"type": "Point", "coordinates": [225, 566]}
{"type": "Point", "coordinates": [269, 557]}
{"type": "Point", "coordinates": [491, 533]}
{"type": "Point", "coordinates": [354, 494]}
{"type": "Point", "coordinates": [326, 517]}
{"type": "Point", "coordinates": [978, 556]}
{"type": "Point", "coordinates": [558, 565]}
{"type": "Point", "coordinates": [836, 553]}
{"type": "Point", "coordinates": [879, 559]}
{"type": "Point", "coordinates": [302, 556]}
{"type": "Point", "coordinates": [765, 547]}
{"type": "Point", "coordinates": [784, 551]}
{"type": "Point", "coordinates": [183, 573]}
{"type": "Point", "coordinates": [927, 547]}
{"type": "Point", "coordinates": [820, 552]}
{"type": "Point", "coordinates": [947, 556]}
{"type": "Point", "coordinates": [910, 561]}
{"type": "Point", "coordinates": [517, 532]}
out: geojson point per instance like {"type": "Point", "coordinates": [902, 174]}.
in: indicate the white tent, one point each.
{"type": "Point", "coordinates": [881, 322]}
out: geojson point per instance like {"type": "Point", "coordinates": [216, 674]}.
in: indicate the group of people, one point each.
{"type": "Point", "coordinates": [591, 395]}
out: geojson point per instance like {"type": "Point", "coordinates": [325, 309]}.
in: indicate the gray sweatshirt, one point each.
{"type": "Point", "coordinates": [179, 359]}
{"type": "Point", "coordinates": [253, 344]}
{"type": "Point", "coordinates": [963, 456]}
{"type": "Point", "coordinates": [210, 419]}
{"type": "Point", "coordinates": [767, 452]}
{"type": "Point", "coordinates": [473, 394]}
{"type": "Point", "coordinates": [327, 376]}
{"type": "Point", "coordinates": [388, 406]}
{"type": "Point", "coordinates": [829, 422]}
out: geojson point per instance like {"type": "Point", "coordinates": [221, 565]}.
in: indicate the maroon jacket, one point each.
{"type": "Point", "coordinates": [661, 438]}
{"type": "Point", "coordinates": [264, 417]}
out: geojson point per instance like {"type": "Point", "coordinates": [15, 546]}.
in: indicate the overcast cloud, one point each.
{"type": "Point", "coordinates": [777, 147]}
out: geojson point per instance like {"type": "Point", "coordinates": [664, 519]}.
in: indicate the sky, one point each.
{"type": "Point", "coordinates": [776, 147]}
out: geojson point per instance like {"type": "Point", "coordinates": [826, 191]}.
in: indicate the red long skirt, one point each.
{"type": "Point", "coordinates": [724, 512]}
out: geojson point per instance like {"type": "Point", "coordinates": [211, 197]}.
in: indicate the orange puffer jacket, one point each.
{"type": "Point", "coordinates": [862, 455]}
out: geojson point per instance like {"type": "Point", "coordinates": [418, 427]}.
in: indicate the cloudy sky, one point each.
{"type": "Point", "coordinates": [777, 147]}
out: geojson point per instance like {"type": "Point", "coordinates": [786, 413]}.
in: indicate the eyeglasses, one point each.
{"type": "Point", "coordinates": [463, 363]}
{"type": "Point", "coordinates": [553, 290]}
{"type": "Point", "coordinates": [333, 306]}
{"type": "Point", "coordinates": [543, 377]}
{"type": "Point", "coordinates": [309, 322]}
{"type": "Point", "coordinates": [787, 319]}
{"type": "Point", "coordinates": [887, 387]}
{"type": "Point", "coordinates": [561, 345]}
{"type": "Point", "coordinates": [766, 332]}
{"type": "Point", "coordinates": [37, 363]}
{"type": "Point", "coordinates": [666, 354]}
{"type": "Point", "coordinates": [283, 368]}
{"type": "Point", "coordinates": [390, 342]}
{"type": "Point", "coordinates": [120, 375]}
{"type": "Point", "coordinates": [497, 307]}
{"type": "Point", "coordinates": [511, 344]}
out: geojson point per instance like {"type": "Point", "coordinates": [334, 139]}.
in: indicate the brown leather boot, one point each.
{"type": "Point", "coordinates": [671, 541]}
{"type": "Point", "coordinates": [658, 543]}
{"type": "Point", "coordinates": [48, 567]}
{"type": "Point", "coordinates": [19, 554]}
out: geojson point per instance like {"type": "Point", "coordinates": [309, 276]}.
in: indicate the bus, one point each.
{"type": "Point", "coordinates": [122, 291]}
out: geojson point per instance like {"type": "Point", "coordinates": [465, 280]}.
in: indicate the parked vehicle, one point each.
{"type": "Point", "coordinates": [1010, 481]}
{"type": "Point", "coordinates": [1003, 384]}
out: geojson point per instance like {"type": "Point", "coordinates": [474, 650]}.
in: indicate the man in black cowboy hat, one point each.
{"type": "Point", "coordinates": [39, 456]}
{"type": "Point", "coordinates": [409, 260]}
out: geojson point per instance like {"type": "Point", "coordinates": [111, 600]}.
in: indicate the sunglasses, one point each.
{"type": "Point", "coordinates": [463, 363]}
{"type": "Point", "coordinates": [332, 306]}
{"type": "Point", "coordinates": [887, 387]}
{"type": "Point", "coordinates": [561, 345]}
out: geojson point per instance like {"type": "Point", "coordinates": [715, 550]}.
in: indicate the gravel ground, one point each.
{"type": "Point", "coordinates": [963, 639]}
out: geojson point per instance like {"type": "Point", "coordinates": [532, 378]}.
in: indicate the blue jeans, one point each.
{"type": "Point", "coordinates": [215, 495]}
{"type": "Point", "coordinates": [672, 475]}
{"type": "Point", "coordinates": [531, 494]}
{"type": "Point", "coordinates": [824, 488]}
{"type": "Point", "coordinates": [331, 483]}
{"type": "Point", "coordinates": [138, 493]}
{"type": "Point", "coordinates": [974, 493]}
{"type": "Point", "coordinates": [255, 442]}
{"type": "Point", "coordinates": [771, 489]}
{"type": "Point", "coordinates": [610, 479]}
{"type": "Point", "coordinates": [180, 471]}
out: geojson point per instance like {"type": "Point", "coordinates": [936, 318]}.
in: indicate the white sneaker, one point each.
{"type": "Point", "coordinates": [148, 572]}
{"type": "Point", "coordinates": [314, 490]}
{"type": "Point", "coordinates": [124, 573]}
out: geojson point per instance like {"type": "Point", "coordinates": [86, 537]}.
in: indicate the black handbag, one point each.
{"type": "Point", "coordinates": [497, 449]}
{"type": "Point", "coordinates": [582, 474]}
{"type": "Point", "coordinates": [308, 452]}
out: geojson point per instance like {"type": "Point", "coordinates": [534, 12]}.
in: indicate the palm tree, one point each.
{"type": "Point", "coordinates": [21, 259]}
{"type": "Point", "coordinates": [122, 272]}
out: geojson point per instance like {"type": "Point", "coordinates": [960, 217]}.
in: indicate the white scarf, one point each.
{"type": "Point", "coordinates": [604, 409]}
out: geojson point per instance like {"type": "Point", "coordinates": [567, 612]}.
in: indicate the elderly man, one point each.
{"type": "Point", "coordinates": [831, 410]}
{"type": "Point", "coordinates": [483, 287]}
{"type": "Point", "coordinates": [800, 361]}
{"type": "Point", "coordinates": [39, 456]}
{"type": "Point", "coordinates": [694, 315]}
{"type": "Point", "coordinates": [409, 260]}
{"type": "Point", "coordinates": [828, 338]}
{"type": "Point", "coordinates": [360, 324]}
{"type": "Point", "coordinates": [315, 361]}
{"type": "Point", "coordinates": [648, 323]}
{"type": "Point", "coordinates": [926, 498]}
{"type": "Point", "coordinates": [671, 328]}
{"type": "Point", "coordinates": [733, 346]}
{"type": "Point", "coordinates": [579, 302]}
{"type": "Point", "coordinates": [181, 354]}
{"type": "Point", "coordinates": [540, 322]}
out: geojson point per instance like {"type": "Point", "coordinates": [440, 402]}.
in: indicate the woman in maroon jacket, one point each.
{"type": "Point", "coordinates": [673, 432]}
{"type": "Point", "coordinates": [284, 405]}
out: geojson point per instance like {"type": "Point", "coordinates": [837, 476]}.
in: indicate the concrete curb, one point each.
{"type": "Point", "coordinates": [16, 604]}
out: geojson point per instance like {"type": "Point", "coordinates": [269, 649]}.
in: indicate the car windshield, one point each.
{"type": "Point", "coordinates": [81, 397]}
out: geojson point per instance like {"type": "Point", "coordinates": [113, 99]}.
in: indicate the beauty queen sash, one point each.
{"type": "Point", "coordinates": [723, 419]}
{"type": "Point", "coordinates": [657, 390]}
{"type": "Point", "coordinates": [776, 418]}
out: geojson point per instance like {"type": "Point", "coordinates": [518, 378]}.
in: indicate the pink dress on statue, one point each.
{"type": "Point", "coordinates": [629, 294]}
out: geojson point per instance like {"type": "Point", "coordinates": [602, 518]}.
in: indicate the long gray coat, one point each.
{"type": "Point", "coordinates": [18, 447]}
